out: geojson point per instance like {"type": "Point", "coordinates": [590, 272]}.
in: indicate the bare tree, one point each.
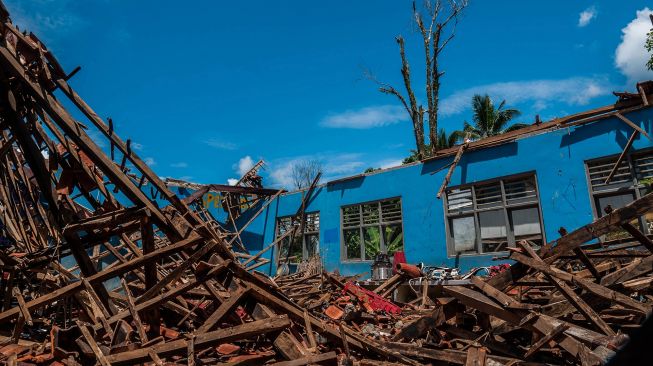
{"type": "Point", "coordinates": [304, 171]}
{"type": "Point", "coordinates": [443, 16]}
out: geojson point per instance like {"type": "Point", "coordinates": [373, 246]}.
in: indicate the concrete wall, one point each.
{"type": "Point", "coordinates": [557, 158]}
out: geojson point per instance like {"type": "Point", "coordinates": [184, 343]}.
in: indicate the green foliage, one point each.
{"type": "Point", "coordinates": [489, 120]}
{"type": "Point", "coordinates": [649, 47]}
{"type": "Point", "coordinates": [371, 170]}
{"type": "Point", "coordinates": [414, 157]}
{"type": "Point", "coordinates": [646, 181]}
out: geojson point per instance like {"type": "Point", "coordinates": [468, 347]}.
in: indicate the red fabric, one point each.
{"type": "Point", "coordinates": [399, 257]}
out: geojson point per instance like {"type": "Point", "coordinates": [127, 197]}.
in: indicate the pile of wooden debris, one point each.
{"type": "Point", "coordinates": [103, 263]}
{"type": "Point", "coordinates": [568, 304]}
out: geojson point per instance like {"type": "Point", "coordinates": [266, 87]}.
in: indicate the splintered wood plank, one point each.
{"type": "Point", "coordinates": [570, 295]}
{"type": "Point", "coordinates": [134, 312]}
{"type": "Point", "coordinates": [390, 282]}
{"type": "Point", "coordinates": [601, 226]}
{"type": "Point", "coordinates": [101, 276]}
{"type": "Point", "coordinates": [94, 346]}
{"type": "Point", "coordinates": [223, 309]}
{"type": "Point", "coordinates": [309, 331]}
{"type": "Point", "coordinates": [546, 339]}
{"type": "Point", "coordinates": [635, 269]}
{"type": "Point", "coordinates": [580, 253]}
{"type": "Point", "coordinates": [21, 304]}
{"type": "Point", "coordinates": [596, 289]}
{"type": "Point", "coordinates": [475, 356]}
{"type": "Point", "coordinates": [289, 347]}
{"type": "Point", "coordinates": [180, 346]}
{"type": "Point", "coordinates": [309, 360]}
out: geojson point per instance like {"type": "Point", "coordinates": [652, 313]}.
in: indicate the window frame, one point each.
{"type": "Point", "coordinates": [504, 206]}
{"type": "Point", "coordinates": [380, 225]}
{"type": "Point", "coordinates": [306, 233]}
{"type": "Point", "coordinates": [634, 188]}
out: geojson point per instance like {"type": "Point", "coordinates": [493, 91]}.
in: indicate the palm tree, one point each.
{"type": "Point", "coordinates": [443, 141]}
{"type": "Point", "coordinates": [488, 120]}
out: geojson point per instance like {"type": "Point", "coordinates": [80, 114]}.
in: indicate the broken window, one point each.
{"type": "Point", "coordinates": [295, 248]}
{"type": "Point", "coordinates": [372, 228]}
{"type": "Point", "coordinates": [490, 217]}
{"type": "Point", "coordinates": [631, 181]}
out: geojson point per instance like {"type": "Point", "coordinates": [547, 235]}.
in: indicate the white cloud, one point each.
{"type": "Point", "coordinates": [390, 163]}
{"type": "Point", "coordinates": [181, 164]}
{"type": "Point", "coordinates": [630, 55]}
{"type": "Point", "coordinates": [222, 145]}
{"type": "Point", "coordinates": [136, 146]}
{"type": "Point", "coordinates": [334, 165]}
{"type": "Point", "coordinates": [232, 181]}
{"type": "Point", "coordinates": [368, 117]}
{"type": "Point", "coordinates": [149, 161]}
{"type": "Point", "coordinates": [586, 16]}
{"type": "Point", "coordinates": [244, 165]}
{"type": "Point", "coordinates": [572, 91]}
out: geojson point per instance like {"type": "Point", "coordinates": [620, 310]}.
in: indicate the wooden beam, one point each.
{"type": "Point", "coordinates": [596, 289]}
{"type": "Point", "coordinates": [179, 346]}
{"type": "Point", "coordinates": [309, 360]}
{"type": "Point", "coordinates": [456, 159]}
{"type": "Point", "coordinates": [223, 309]}
{"type": "Point", "coordinates": [636, 268]}
{"type": "Point", "coordinates": [621, 156]}
{"type": "Point", "coordinates": [94, 346]}
{"type": "Point", "coordinates": [632, 124]}
{"type": "Point", "coordinates": [134, 312]}
{"type": "Point", "coordinates": [546, 339]}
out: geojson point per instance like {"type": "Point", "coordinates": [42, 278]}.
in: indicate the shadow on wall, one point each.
{"type": "Point", "coordinates": [606, 126]}
{"type": "Point", "coordinates": [472, 157]}
{"type": "Point", "coordinates": [342, 186]}
{"type": "Point", "coordinates": [252, 241]}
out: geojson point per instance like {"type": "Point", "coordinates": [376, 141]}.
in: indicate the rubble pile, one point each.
{"type": "Point", "coordinates": [103, 264]}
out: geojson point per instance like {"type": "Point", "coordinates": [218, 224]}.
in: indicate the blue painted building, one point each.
{"type": "Point", "coordinates": [523, 185]}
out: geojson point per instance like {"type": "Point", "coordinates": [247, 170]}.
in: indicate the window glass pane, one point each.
{"type": "Point", "coordinates": [372, 238]}
{"type": "Point", "coordinates": [459, 200]}
{"type": "Point", "coordinates": [488, 195]}
{"type": "Point", "coordinates": [526, 221]}
{"type": "Point", "coordinates": [527, 225]}
{"type": "Point", "coordinates": [371, 213]}
{"type": "Point", "coordinates": [352, 243]}
{"type": "Point", "coordinates": [616, 201]}
{"type": "Point", "coordinates": [312, 244]}
{"type": "Point", "coordinates": [464, 234]}
{"type": "Point", "coordinates": [493, 230]}
{"type": "Point", "coordinates": [493, 224]}
{"type": "Point", "coordinates": [393, 238]}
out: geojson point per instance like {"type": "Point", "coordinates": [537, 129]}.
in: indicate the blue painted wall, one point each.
{"type": "Point", "coordinates": [557, 158]}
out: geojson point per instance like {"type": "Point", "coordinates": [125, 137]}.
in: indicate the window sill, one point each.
{"type": "Point", "coordinates": [354, 261]}
{"type": "Point", "coordinates": [454, 256]}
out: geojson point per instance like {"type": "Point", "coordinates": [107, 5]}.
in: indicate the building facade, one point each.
{"type": "Point", "coordinates": [523, 185]}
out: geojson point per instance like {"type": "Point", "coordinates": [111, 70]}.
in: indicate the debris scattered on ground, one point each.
{"type": "Point", "coordinates": [102, 263]}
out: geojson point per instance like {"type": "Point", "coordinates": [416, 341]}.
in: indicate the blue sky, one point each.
{"type": "Point", "coordinates": [206, 88]}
